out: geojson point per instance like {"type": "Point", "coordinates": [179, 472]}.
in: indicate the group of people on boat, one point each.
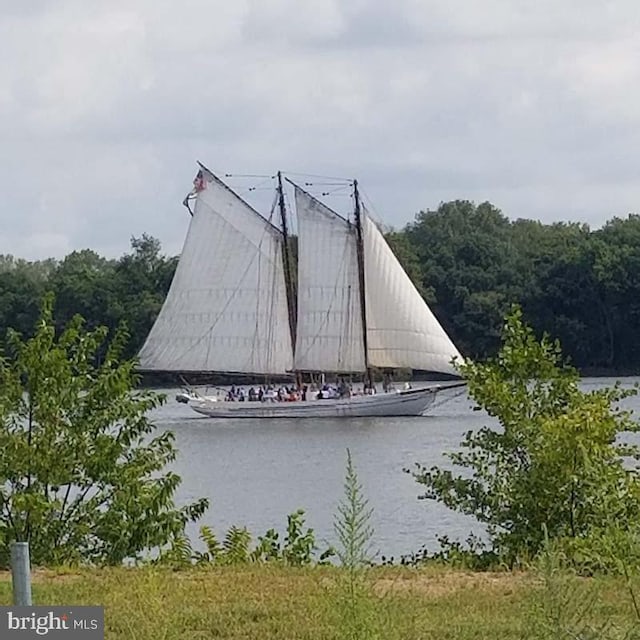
{"type": "Point", "coordinates": [269, 393]}
{"type": "Point", "coordinates": [266, 393]}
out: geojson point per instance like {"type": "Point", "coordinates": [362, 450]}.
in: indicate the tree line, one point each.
{"type": "Point", "coordinates": [580, 286]}
{"type": "Point", "coordinates": [469, 261]}
{"type": "Point", "coordinates": [129, 290]}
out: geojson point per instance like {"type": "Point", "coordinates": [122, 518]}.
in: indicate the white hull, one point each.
{"type": "Point", "coordinates": [412, 402]}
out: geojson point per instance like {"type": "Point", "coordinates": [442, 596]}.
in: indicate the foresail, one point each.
{"type": "Point", "coordinates": [226, 309]}
{"type": "Point", "coordinates": [402, 331]}
{"type": "Point", "coordinates": [329, 330]}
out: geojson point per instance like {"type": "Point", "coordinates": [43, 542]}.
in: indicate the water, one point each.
{"type": "Point", "coordinates": [256, 472]}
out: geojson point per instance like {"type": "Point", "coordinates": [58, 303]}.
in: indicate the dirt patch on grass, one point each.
{"type": "Point", "coordinates": [45, 575]}
{"type": "Point", "coordinates": [445, 584]}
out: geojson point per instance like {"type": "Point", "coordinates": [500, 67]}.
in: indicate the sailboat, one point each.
{"type": "Point", "coordinates": [232, 307]}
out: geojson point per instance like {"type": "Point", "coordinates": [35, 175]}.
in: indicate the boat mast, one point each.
{"type": "Point", "coordinates": [360, 252]}
{"type": "Point", "coordinates": [291, 300]}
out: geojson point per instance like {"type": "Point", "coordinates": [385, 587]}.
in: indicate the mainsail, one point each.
{"type": "Point", "coordinates": [329, 329]}
{"type": "Point", "coordinates": [402, 331]}
{"type": "Point", "coordinates": [226, 310]}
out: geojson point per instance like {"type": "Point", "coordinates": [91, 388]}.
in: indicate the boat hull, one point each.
{"type": "Point", "coordinates": [412, 402]}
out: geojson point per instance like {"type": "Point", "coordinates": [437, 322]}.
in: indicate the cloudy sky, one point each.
{"type": "Point", "coordinates": [105, 106]}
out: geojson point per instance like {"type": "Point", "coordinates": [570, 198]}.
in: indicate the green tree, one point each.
{"type": "Point", "coordinates": [141, 282]}
{"type": "Point", "coordinates": [22, 285]}
{"type": "Point", "coordinates": [465, 257]}
{"type": "Point", "coordinates": [554, 463]}
{"type": "Point", "coordinates": [559, 291]}
{"type": "Point", "coordinates": [82, 285]}
{"type": "Point", "coordinates": [615, 274]}
{"type": "Point", "coordinates": [18, 302]}
{"type": "Point", "coordinates": [82, 474]}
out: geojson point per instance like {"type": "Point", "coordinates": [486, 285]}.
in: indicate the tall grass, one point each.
{"type": "Point", "coordinates": [355, 603]}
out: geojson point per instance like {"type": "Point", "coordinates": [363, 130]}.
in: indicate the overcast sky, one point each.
{"type": "Point", "coordinates": [105, 106]}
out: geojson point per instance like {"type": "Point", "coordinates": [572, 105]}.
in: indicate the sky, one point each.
{"type": "Point", "coordinates": [106, 105]}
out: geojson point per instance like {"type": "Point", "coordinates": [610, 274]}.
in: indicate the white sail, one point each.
{"type": "Point", "coordinates": [226, 309]}
{"type": "Point", "coordinates": [402, 332]}
{"type": "Point", "coordinates": [329, 327]}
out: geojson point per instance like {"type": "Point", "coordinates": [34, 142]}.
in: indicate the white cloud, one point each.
{"type": "Point", "coordinates": [106, 106]}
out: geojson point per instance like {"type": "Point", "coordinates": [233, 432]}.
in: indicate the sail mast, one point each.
{"type": "Point", "coordinates": [291, 298]}
{"type": "Point", "coordinates": [363, 299]}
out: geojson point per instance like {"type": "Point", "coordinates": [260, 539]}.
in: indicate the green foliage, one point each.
{"type": "Point", "coordinates": [81, 472]}
{"type": "Point", "coordinates": [576, 284]}
{"type": "Point", "coordinates": [299, 545]}
{"type": "Point", "coordinates": [236, 545]}
{"type": "Point", "coordinates": [555, 463]}
{"type": "Point", "coordinates": [104, 292]}
{"type": "Point", "coordinates": [298, 549]}
{"type": "Point", "coordinates": [22, 285]}
{"type": "Point", "coordinates": [467, 259]}
{"type": "Point", "coordinates": [568, 606]}
{"type": "Point", "coordinates": [472, 555]}
{"type": "Point", "coordinates": [352, 522]}
{"type": "Point", "coordinates": [355, 603]}
{"type": "Point", "coordinates": [612, 548]}
{"type": "Point", "coordinates": [563, 608]}
{"type": "Point", "coordinates": [83, 284]}
{"type": "Point", "coordinates": [214, 548]}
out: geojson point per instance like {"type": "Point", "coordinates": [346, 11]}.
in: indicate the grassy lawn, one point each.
{"type": "Point", "coordinates": [263, 602]}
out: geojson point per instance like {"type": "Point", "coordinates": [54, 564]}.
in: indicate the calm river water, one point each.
{"type": "Point", "coordinates": [256, 472]}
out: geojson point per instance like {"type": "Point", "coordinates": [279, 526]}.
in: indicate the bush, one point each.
{"type": "Point", "coordinates": [81, 472]}
{"type": "Point", "coordinates": [556, 463]}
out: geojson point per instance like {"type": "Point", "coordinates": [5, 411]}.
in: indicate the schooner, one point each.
{"type": "Point", "coordinates": [232, 308]}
